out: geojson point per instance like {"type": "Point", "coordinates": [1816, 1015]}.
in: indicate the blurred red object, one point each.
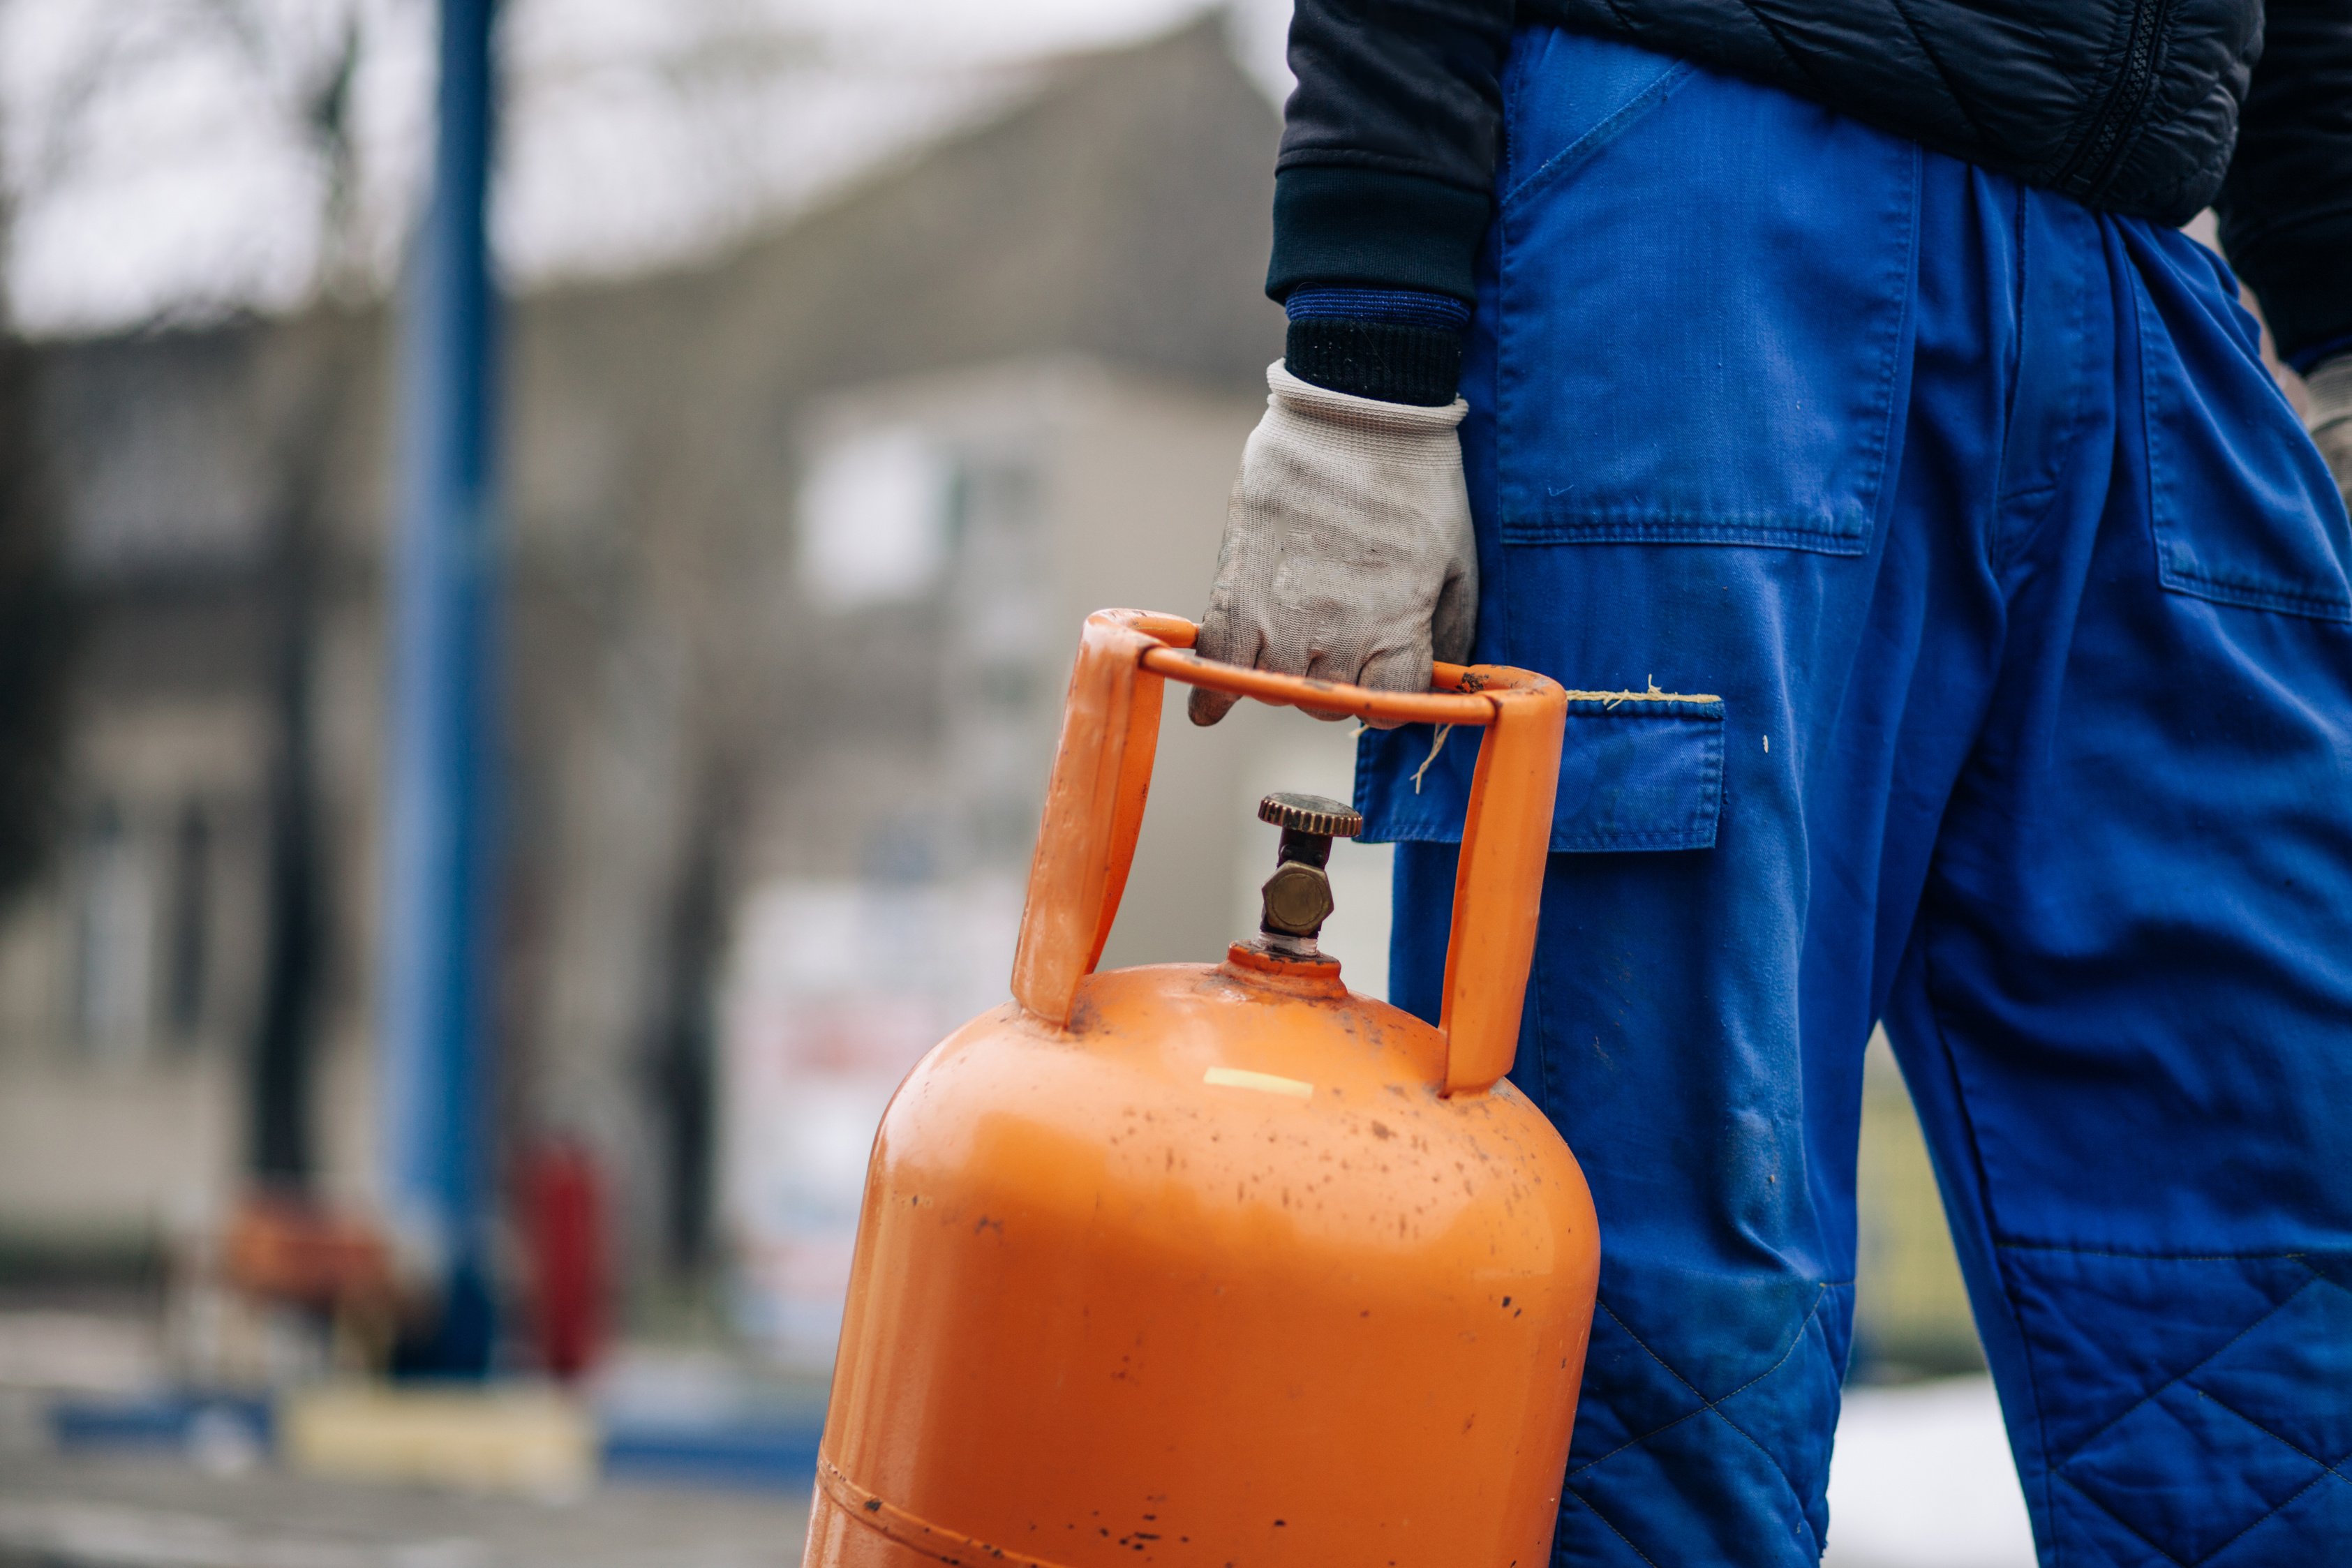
{"type": "Point", "coordinates": [563, 1233]}
{"type": "Point", "coordinates": [291, 1249]}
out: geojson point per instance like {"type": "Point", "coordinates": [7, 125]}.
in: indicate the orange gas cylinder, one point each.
{"type": "Point", "coordinates": [1222, 1265]}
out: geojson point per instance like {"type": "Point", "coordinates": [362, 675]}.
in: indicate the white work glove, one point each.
{"type": "Point", "coordinates": [2330, 422]}
{"type": "Point", "coordinates": [1348, 552]}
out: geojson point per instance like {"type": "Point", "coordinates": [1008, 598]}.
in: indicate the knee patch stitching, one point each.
{"type": "Point", "coordinates": [2327, 1465]}
{"type": "Point", "coordinates": [2126, 1525]}
{"type": "Point", "coordinates": [2328, 1469]}
{"type": "Point", "coordinates": [2075, 1452]}
{"type": "Point", "coordinates": [1593, 1508]}
{"type": "Point", "coordinates": [2325, 1470]}
{"type": "Point", "coordinates": [1712, 1406]}
{"type": "Point", "coordinates": [1705, 1405]}
{"type": "Point", "coordinates": [2144, 1539]}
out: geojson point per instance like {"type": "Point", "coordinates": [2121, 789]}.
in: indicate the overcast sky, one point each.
{"type": "Point", "coordinates": [157, 151]}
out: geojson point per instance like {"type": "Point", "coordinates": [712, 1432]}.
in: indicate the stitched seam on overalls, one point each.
{"type": "Point", "coordinates": [2024, 514]}
{"type": "Point", "coordinates": [2247, 593]}
{"type": "Point", "coordinates": [1995, 551]}
{"type": "Point", "coordinates": [1846, 530]}
{"type": "Point", "coordinates": [2327, 1465]}
{"type": "Point", "coordinates": [1506, 328]}
{"type": "Point", "coordinates": [2182, 1379]}
{"type": "Point", "coordinates": [1760, 534]}
{"type": "Point", "coordinates": [1998, 547]}
{"type": "Point", "coordinates": [1714, 1406]}
{"type": "Point", "coordinates": [2126, 1414]}
{"type": "Point", "coordinates": [2279, 1506]}
{"type": "Point", "coordinates": [1513, 83]}
{"type": "Point", "coordinates": [1705, 1404]}
{"type": "Point", "coordinates": [2134, 1530]}
{"type": "Point", "coordinates": [1900, 330]}
{"type": "Point", "coordinates": [1598, 139]}
{"type": "Point", "coordinates": [1594, 1510]}
{"type": "Point", "coordinates": [2171, 576]}
{"type": "Point", "coordinates": [2008, 1246]}
{"type": "Point", "coordinates": [2270, 1513]}
{"type": "Point", "coordinates": [2142, 1536]}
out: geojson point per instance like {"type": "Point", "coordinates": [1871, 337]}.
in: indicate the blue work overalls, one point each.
{"type": "Point", "coordinates": [1980, 621]}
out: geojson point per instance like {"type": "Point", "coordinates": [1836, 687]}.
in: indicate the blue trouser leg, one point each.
{"type": "Point", "coordinates": [2126, 1004]}
{"type": "Point", "coordinates": [2026, 604]}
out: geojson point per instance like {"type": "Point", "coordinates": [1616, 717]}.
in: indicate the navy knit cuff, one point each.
{"type": "Point", "coordinates": [1396, 345]}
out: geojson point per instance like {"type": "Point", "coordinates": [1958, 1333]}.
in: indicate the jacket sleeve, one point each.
{"type": "Point", "coordinates": [1386, 176]}
{"type": "Point", "coordinates": [2286, 206]}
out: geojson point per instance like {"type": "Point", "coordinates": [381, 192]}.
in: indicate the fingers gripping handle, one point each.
{"type": "Point", "coordinates": [1102, 773]}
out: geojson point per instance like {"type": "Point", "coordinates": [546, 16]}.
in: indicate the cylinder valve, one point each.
{"type": "Point", "coordinates": [1297, 899]}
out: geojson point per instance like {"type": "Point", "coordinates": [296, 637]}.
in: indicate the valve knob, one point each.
{"type": "Point", "coordinates": [1313, 814]}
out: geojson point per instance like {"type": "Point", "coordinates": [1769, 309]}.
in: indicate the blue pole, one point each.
{"type": "Point", "coordinates": [439, 851]}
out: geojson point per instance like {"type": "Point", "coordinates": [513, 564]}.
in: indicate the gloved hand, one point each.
{"type": "Point", "coordinates": [1348, 553]}
{"type": "Point", "coordinates": [2330, 421]}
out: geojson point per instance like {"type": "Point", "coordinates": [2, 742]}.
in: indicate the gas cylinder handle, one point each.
{"type": "Point", "coordinates": [1453, 697]}
{"type": "Point", "coordinates": [1102, 774]}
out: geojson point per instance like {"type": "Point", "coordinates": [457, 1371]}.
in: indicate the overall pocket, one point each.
{"type": "Point", "coordinates": [1638, 770]}
{"type": "Point", "coordinates": [2242, 507]}
{"type": "Point", "coordinates": [1702, 305]}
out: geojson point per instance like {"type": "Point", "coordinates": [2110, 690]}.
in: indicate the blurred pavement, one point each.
{"type": "Point", "coordinates": [117, 1511]}
{"type": "Point", "coordinates": [1922, 1479]}
{"type": "Point", "coordinates": [220, 1504]}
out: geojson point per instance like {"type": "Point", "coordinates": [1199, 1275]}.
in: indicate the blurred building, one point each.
{"type": "Point", "coordinates": [799, 540]}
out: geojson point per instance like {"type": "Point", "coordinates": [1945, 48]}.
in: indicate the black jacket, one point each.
{"type": "Point", "coordinates": [2149, 108]}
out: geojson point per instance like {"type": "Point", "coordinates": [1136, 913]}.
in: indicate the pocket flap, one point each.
{"type": "Point", "coordinates": [1638, 770]}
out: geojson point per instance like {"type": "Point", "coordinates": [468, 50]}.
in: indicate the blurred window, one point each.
{"type": "Point", "coordinates": [874, 511]}
{"type": "Point", "coordinates": [114, 937]}
{"type": "Point", "coordinates": [189, 941]}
